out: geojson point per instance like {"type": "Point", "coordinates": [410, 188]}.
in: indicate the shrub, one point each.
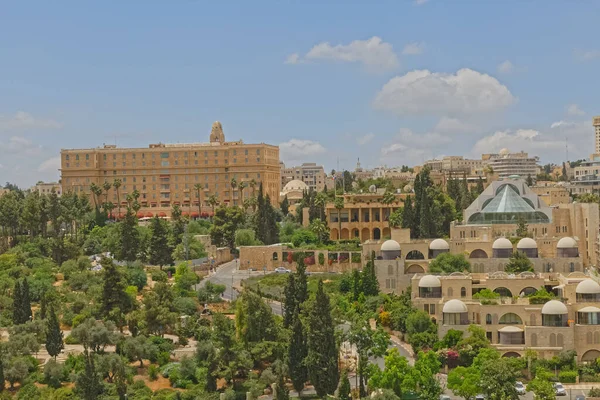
{"type": "Point", "coordinates": [567, 376]}
{"type": "Point", "coordinates": [321, 259]}
{"type": "Point", "coordinates": [153, 372]}
{"type": "Point", "coordinates": [594, 392]}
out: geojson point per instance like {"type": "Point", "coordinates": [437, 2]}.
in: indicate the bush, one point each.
{"type": "Point", "coordinates": [567, 376]}
{"type": "Point", "coordinates": [159, 276]}
{"type": "Point", "coordinates": [594, 392]}
{"type": "Point", "coordinates": [153, 372]}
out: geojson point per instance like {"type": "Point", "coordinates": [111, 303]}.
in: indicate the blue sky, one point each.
{"type": "Point", "coordinates": [393, 82]}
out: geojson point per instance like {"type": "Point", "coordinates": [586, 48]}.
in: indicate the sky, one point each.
{"type": "Point", "coordinates": [392, 82]}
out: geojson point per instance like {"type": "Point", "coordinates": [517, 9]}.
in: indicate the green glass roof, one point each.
{"type": "Point", "coordinates": [507, 201]}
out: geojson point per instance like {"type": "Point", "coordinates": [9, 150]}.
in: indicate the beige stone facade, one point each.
{"type": "Point", "coordinates": [551, 193]}
{"type": "Point", "coordinates": [512, 323]}
{"type": "Point", "coordinates": [47, 188]}
{"type": "Point", "coordinates": [311, 174]}
{"type": "Point", "coordinates": [278, 255]}
{"type": "Point", "coordinates": [220, 255]}
{"type": "Point", "coordinates": [167, 174]}
{"type": "Point", "coordinates": [596, 123]}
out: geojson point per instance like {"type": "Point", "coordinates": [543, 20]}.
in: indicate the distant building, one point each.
{"type": "Point", "coordinates": [47, 188]}
{"type": "Point", "coordinates": [552, 193]}
{"type": "Point", "coordinates": [506, 164]}
{"type": "Point", "coordinates": [596, 123]}
{"type": "Point", "coordinates": [175, 174]}
{"type": "Point", "coordinates": [311, 174]}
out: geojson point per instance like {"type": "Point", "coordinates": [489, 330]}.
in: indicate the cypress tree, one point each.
{"type": "Point", "coordinates": [370, 284]}
{"type": "Point", "coordinates": [43, 306]}
{"type": "Point", "coordinates": [129, 237]}
{"type": "Point", "coordinates": [54, 336]}
{"type": "Point", "coordinates": [344, 388]}
{"type": "Point", "coordinates": [17, 304]}
{"type": "Point", "coordinates": [88, 383]}
{"type": "Point", "coordinates": [408, 218]}
{"type": "Point", "coordinates": [297, 352]}
{"type": "Point", "coordinates": [285, 206]}
{"type": "Point", "coordinates": [289, 302]}
{"type": "Point", "coordinates": [160, 248]}
{"type": "Point", "coordinates": [301, 282]}
{"type": "Point", "coordinates": [26, 301]}
{"type": "Point", "coordinates": [480, 185]}
{"type": "Point", "coordinates": [113, 291]}
{"type": "Point", "coordinates": [322, 358]}
{"type": "Point", "coordinates": [2, 384]}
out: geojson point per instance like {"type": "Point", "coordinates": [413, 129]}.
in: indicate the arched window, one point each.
{"type": "Point", "coordinates": [463, 292]}
{"type": "Point", "coordinates": [275, 256]}
{"type": "Point", "coordinates": [415, 255]}
{"type": "Point", "coordinates": [534, 340]}
{"type": "Point", "coordinates": [488, 319]}
{"type": "Point", "coordinates": [560, 340]}
{"type": "Point", "coordinates": [552, 340]}
{"type": "Point", "coordinates": [510, 319]}
{"type": "Point", "coordinates": [450, 292]}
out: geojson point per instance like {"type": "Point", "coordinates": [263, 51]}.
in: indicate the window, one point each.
{"type": "Point", "coordinates": [488, 319]}
{"type": "Point", "coordinates": [275, 257]}
{"type": "Point", "coordinates": [463, 292]}
{"type": "Point", "coordinates": [77, 157]}
{"type": "Point", "coordinates": [67, 157]}
{"type": "Point", "coordinates": [164, 155]}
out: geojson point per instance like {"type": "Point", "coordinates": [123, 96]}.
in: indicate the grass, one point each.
{"type": "Point", "coordinates": [272, 285]}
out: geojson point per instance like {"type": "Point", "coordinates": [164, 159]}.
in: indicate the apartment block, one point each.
{"type": "Point", "coordinates": [311, 174]}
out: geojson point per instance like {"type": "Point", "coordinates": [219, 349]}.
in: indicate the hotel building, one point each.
{"type": "Point", "coordinates": [168, 174]}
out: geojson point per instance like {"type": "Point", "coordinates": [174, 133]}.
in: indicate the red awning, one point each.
{"type": "Point", "coordinates": [149, 214]}
{"type": "Point", "coordinates": [162, 214]}
{"type": "Point", "coordinates": [140, 214]}
{"type": "Point", "coordinates": [195, 214]}
{"type": "Point", "coordinates": [185, 213]}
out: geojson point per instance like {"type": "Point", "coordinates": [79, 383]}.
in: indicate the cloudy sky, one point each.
{"type": "Point", "coordinates": [391, 82]}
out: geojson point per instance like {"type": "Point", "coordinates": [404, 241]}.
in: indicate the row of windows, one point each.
{"type": "Point", "coordinates": [186, 178]}
{"type": "Point", "coordinates": [162, 163]}
{"type": "Point", "coordinates": [163, 155]}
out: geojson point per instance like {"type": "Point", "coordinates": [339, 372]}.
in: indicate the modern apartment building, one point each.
{"type": "Point", "coordinates": [183, 174]}
{"type": "Point", "coordinates": [310, 173]}
{"type": "Point", "coordinates": [505, 164]}
{"type": "Point", "coordinates": [596, 123]}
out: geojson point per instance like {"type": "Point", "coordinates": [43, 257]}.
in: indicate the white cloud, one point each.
{"type": "Point", "coordinates": [505, 67]}
{"type": "Point", "coordinates": [414, 48]}
{"type": "Point", "coordinates": [24, 120]}
{"type": "Point", "coordinates": [374, 53]}
{"type": "Point", "coordinates": [453, 125]}
{"type": "Point", "coordinates": [362, 140]}
{"type": "Point", "coordinates": [393, 148]}
{"type": "Point", "coordinates": [300, 150]}
{"type": "Point", "coordinates": [292, 59]}
{"type": "Point", "coordinates": [573, 109]}
{"type": "Point", "coordinates": [422, 92]}
{"type": "Point", "coordinates": [587, 55]}
{"type": "Point", "coordinates": [18, 145]}
{"type": "Point", "coordinates": [51, 164]}
{"type": "Point", "coordinates": [420, 2]}
{"type": "Point", "coordinates": [428, 139]}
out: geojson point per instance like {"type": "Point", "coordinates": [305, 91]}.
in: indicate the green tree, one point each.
{"type": "Point", "coordinates": [129, 243]}
{"type": "Point", "coordinates": [529, 180]}
{"type": "Point", "coordinates": [543, 389]}
{"type": "Point", "coordinates": [369, 343]}
{"type": "Point", "coordinates": [54, 336]}
{"type": "Point", "coordinates": [368, 278]}
{"type": "Point", "coordinates": [246, 237]}
{"type": "Point", "coordinates": [464, 382]}
{"type": "Point", "coordinates": [396, 218]}
{"type": "Point", "coordinates": [178, 223]}
{"type": "Point", "coordinates": [289, 300]}
{"type": "Point", "coordinates": [339, 206]}
{"type": "Point", "coordinates": [322, 355]}
{"type": "Point", "coordinates": [301, 282]}
{"type": "Point", "coordinates": [285, 206]}
{"type": "Point", "coordinates": [522, 228]}
{"type": "Point", "coordinates": [320, 229]}
{"type": "Point", "coordinates": [138, 348]}
{"type": "Point", "coordinates": [267, 229]}
{"type": "Point", "coordinates": [18, 314]}
{"type": "Point", "coordinates": [254, 319]}
{"type": "Point", "coordinates": [518, 262]}
{"type": "Point", "coordinates": [2, 378]}
{"type": "Point", "coordinates": [408, 217]}
{"type": "Point", "coordinates": [449, 263]}
{"type": "Point", "coordinates": [297, 352]}
{"type": "Point", "coordinates": [159, 312]}
{"type": "Point", "coordinates": [16, 371]}
{"type": "Point", "coordinates": [226, 221]}
{"type": "Point", "coordinates": [498, 379]}
{"type": "Point", "coordinates": [198, 188]}
{"type": "Point", "coordinates": [26, 300]}
{"type": "Point", "coordinates": [88, 384]}
{"type": "Point", "coordinates": [95, 335]}
{"type": "Point", "coordinates": [115, 302]}
{"type": "Point", "coordinates": [395, 376]}
{"type": "Point", "coordinates": [344, 387]}
{"type": "Point", "coordinates": [470, 346]}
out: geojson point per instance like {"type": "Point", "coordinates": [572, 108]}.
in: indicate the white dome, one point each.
{"type": "Point", "coordinates": [502, 243]}
{"type": "Point", "coordinates": [455, 306]}
{"type": "Point", "coordinates": [588, 286]}
{"type": "Point", "coordinates": [295, 185]}
{"type": "Point", "coordinates": [429, 281]}
{"type": "Point", "coordinates": [554, 307]}
{"type": "Point", "coordinates": [439, 244]}
{"type": "Point", "coordinates": [589, 309]}
{"type": "Point", "coordinates": [510, 329]}
{"type": "Point", "coordinates": [527, 243]}
{"type": "Point", "coordinates": [566, 243]}
{"type": "Point", "coordinates": [390, 245]}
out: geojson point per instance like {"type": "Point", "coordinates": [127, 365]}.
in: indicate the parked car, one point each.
{"type": "Point", "coordinates": [559, 389]}
{"type": "Point", "coordinates": [282, 270]}
{"type": "Point", "coordinates": [480, 397]}
{"type": "Point", "coordinates": [520, 388]}
{"type": "Point", "coordinates": [444, 397]}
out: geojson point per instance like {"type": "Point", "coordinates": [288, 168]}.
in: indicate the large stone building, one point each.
{"type": "Point", "coordinates": [168, 174]}
{"type": "Point", "coordinates": [512, 323]}
{"type": "Point", "coordinates": [47, 188]}
{"type": "Point", "coordinates": [505, 164]}
{"type": "Point", "coordinates": [311, 174]}
{"type": "Point", "coordinates": [596, 123]}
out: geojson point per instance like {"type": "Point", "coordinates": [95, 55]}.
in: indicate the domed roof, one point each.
{"type": "Point", "coordinates": [566, 243]}
{"type": "Point", "coordinates": [502, 243]}
{"type": "Point", "coordinates": [589, 309]}
{"type": "Point", "coordinates": [439, 244]}
{"type": "Point", "coordinates": [455, 306]}
{"type": "Point", "coordinates": [510, 329]}
{"type": "Point", "coordinates": [295, 185]}
{"type": "Point", "coordinates": [527, 243]}
{"type": "Point", "coordinates": [554, 307]}
{"type": "Point", "coordinates": [390, 245]}
{"type": "Point", "coordinates": [588, 286]}
{"type": "Point", "coordinates": [429, 281]}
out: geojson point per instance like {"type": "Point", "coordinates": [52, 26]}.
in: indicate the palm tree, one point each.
{"type": "Point", "coordinates": [319, 228]}
{"type": "Point", "coordinates": [320, 201]}
{"type": "Point", "coordinates": [233, 187]}
{"type": "Point", "coordinates": [117, 184]}
{"type": "Point", "coordinates": [241, 186]}
{"type": "Point", "coordinates": [213, 200]}
{"type": "Point", "coordinates": [253, 202]}
{"type": "Point", "coordinates": [96, 191]}
{"type": "Point", "coordinates": [339, 205]}
{"type": "Point", "coordinates": [109, 207]}
{"type": "Point", "coordinates": [252, 185]}
{"type": "Point", "coordinates": [106, 186]}
{"type": "Point", "coordinates": [198, 186]}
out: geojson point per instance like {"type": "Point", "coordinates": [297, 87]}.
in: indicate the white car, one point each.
{"type": "Point", "coordinates": [281, 270]}
{"type": "Point", "coordinates": [559, 389]}
{"type": "Point", "coordinates": [520, 388]}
